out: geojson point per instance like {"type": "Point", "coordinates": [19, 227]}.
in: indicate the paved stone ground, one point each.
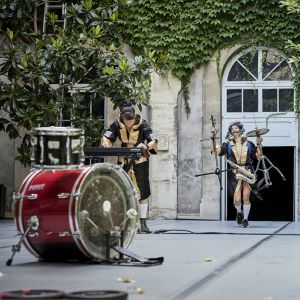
{"type": "Point", "coordinates": [210, 260]}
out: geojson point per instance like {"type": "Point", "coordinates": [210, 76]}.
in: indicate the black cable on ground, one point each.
{"type": "Point", "coordinates": [201, 282]}
{"type": "Point", "coordinates": [183, 231]}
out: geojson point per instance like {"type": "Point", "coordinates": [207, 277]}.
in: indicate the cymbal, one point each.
{"type": "Point", "coordinates": [257, 132]}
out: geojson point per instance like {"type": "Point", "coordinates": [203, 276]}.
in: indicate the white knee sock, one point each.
{"type": "Point", "coordinates": [246, 209]}
{"type": "Point", "coordinates": [238, 208]}
{"type": "Point", "coordinates": [143, 209]}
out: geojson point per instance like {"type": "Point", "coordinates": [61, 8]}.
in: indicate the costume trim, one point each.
{"type": "Point", "coordinates": [133, 134]}
{"type": "Point", "coordinates": [240, 153]}
{"type": "Point", "coordinates": [133, 179]}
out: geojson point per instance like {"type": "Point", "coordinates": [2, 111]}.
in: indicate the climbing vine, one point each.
{"type": "Point", "coordinates": [185, 34]}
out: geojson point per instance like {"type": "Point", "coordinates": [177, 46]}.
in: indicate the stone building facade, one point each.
{"type": "Point", "coordinates": [184, 144]}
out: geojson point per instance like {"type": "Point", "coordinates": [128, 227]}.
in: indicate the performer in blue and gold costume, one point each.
{"type": "Point", "coordinates": [241, 153]}
{"type": "Point", "coordinates": [133, 131]}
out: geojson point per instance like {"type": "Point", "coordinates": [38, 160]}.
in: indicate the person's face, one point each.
{"type": "Point", "coordinates": [235, 130]}
{"type": "Point", "coordinates": [129, 123]}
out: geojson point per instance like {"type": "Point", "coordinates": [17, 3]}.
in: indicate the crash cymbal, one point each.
{"type": "Point", "coordinates": [257, 132]}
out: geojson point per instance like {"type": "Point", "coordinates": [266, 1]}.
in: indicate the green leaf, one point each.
{"type": "Point", "coordinates": [123, 65]}
{"type": "Point", "coordinates": [109, 70]}
{"type": "Point", "coordinates": [10, 34]}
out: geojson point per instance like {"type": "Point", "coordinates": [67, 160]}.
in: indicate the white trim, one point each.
{"type": "Point", "coordinates": [30, 247]}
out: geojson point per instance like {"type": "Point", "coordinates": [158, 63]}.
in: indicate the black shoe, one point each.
{"type": "Point", "coordinates": [144, 228]}
{"type": "Point", "coordinates": [245, 223]}
{"type": "Point", "coordinates": [239, 218]}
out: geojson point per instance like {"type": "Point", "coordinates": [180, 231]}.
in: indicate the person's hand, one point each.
{"type": "Point", "coordinates": [214, 130]}
{"type": "Point", "coordinates": [106, 143]}
{"type": "Point", "coordinates": [142, 145]}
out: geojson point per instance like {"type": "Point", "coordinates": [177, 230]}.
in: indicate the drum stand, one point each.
{"type": "Point", "coordinates": [266, 179]}
{"type": "Point", "coordinates": [132, 258]}
{"type": "Point", "coordinates": [33, 223]}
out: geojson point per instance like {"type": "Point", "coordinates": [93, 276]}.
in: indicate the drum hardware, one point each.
{"type": "Point", "coordinates": [68, 233]}
{"type": "Point", "coordinates": [217, 172]}
{"type": "Point", "coordinates": [266, 180]}
{"type": "Point", "coordinates": [213, 139]}
{"type": "Point", "coordinates": [115, 234]}
{"type": "Point", "coordinates": [68, 150]}
{"type": "Point", "coordinates": [31, 196]}
{"type": "Point", "coordinates": [257, 132]}
{"type": "Point", "coordinates": [135, 259]}
{"type": "Point", "coordinates": [131, 214]}
{"type": "Point", "coordinates": [18, 196]}
{"type": "Point", "coordinates": [32, 223]}
{"type": "Point", "coordinates": [66, 195]}
{"type": "Point", "coordinates": [34, 234]}
{"type": "Point", "coordinates": [84, 215]}
{"type": "Point", "coordinates": [41, 143]}
{"type": "Point", "coordinates": [106, 208]}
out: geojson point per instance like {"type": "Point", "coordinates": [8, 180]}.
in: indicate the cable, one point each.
{"type": "Point", "coordinates": [202, 281]}
{"type": "Point", "coordinates": [184, 231]}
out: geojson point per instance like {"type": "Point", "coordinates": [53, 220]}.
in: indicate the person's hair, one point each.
{"type": "Point", "coordinates": [127, 111]}
{"type": "Point", "coordinates": [237, 124]}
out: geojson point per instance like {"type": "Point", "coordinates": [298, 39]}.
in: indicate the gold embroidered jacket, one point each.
{"type": "Point", "coordinates": [140, 133]}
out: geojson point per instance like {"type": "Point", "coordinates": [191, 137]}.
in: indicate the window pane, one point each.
{"type": "Point", "coordinates": [272, 61]}
{"type": "Point", "coordinates": [250, 101]}
{"type": "Point", "coordinates": [238, 73]}
{"type": "Point", "coordinates": [270, 100]}
{"type": "Point", "coordinates": [286, 100]}
{"type": "Point", "coordinates": [98, 108]}
{"type": "Point", "coordinates": [250, 62]}
{"type": "Point", "coordinates": [282, 72]}
{"type": "Point", "coordinates": [234, 100]}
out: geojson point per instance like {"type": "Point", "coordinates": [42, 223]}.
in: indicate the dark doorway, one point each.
{"type": "Point", "coordinates": [278, 203]}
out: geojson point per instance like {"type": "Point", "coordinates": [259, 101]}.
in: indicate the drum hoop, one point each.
{"type": "Point", "coordinates": [58, 131]}
{"type": "Point", "coordinates": [79, 166]}
{"type": "Point", "coordinates": [75, 227]}
{"type": "Point", "coordinates": [59, 134]}
{"type": "Point", "coordinates": [31, 176]}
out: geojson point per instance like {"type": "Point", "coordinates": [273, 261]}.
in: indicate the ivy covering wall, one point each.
{"type": "Point", "coordinates": [185, 34]}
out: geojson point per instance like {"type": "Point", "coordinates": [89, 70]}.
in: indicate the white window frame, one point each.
{"type": "Point", "coordinates": [259, 84]}
{"type": "Point", "coordinates": [288, 120]}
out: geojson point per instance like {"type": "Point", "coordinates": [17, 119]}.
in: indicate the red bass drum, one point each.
{"type": "Point", "coordinates": [73, 209]}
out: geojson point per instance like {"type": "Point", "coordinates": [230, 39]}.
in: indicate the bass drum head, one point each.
{"type": "Point", "coordinates": [107, 202]}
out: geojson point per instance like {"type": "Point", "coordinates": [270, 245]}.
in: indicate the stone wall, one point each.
{"type": "Point", "coordinates": [163, 166]}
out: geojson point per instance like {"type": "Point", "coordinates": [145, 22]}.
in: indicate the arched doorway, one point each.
{"type": "Point", "coordinates": [258, 91]}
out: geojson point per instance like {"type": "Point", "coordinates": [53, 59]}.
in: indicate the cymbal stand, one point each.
{"type": "Point", "coordinates": [266, 178]}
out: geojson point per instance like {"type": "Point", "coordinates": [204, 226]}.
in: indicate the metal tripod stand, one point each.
{"type": "Point", "coordinates": [261, 166]}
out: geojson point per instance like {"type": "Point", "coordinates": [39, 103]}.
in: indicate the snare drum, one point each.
{"type": "Point", "coordinates": [57, 147]}
{"type": "Point", "coordinates": [72, 210]}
